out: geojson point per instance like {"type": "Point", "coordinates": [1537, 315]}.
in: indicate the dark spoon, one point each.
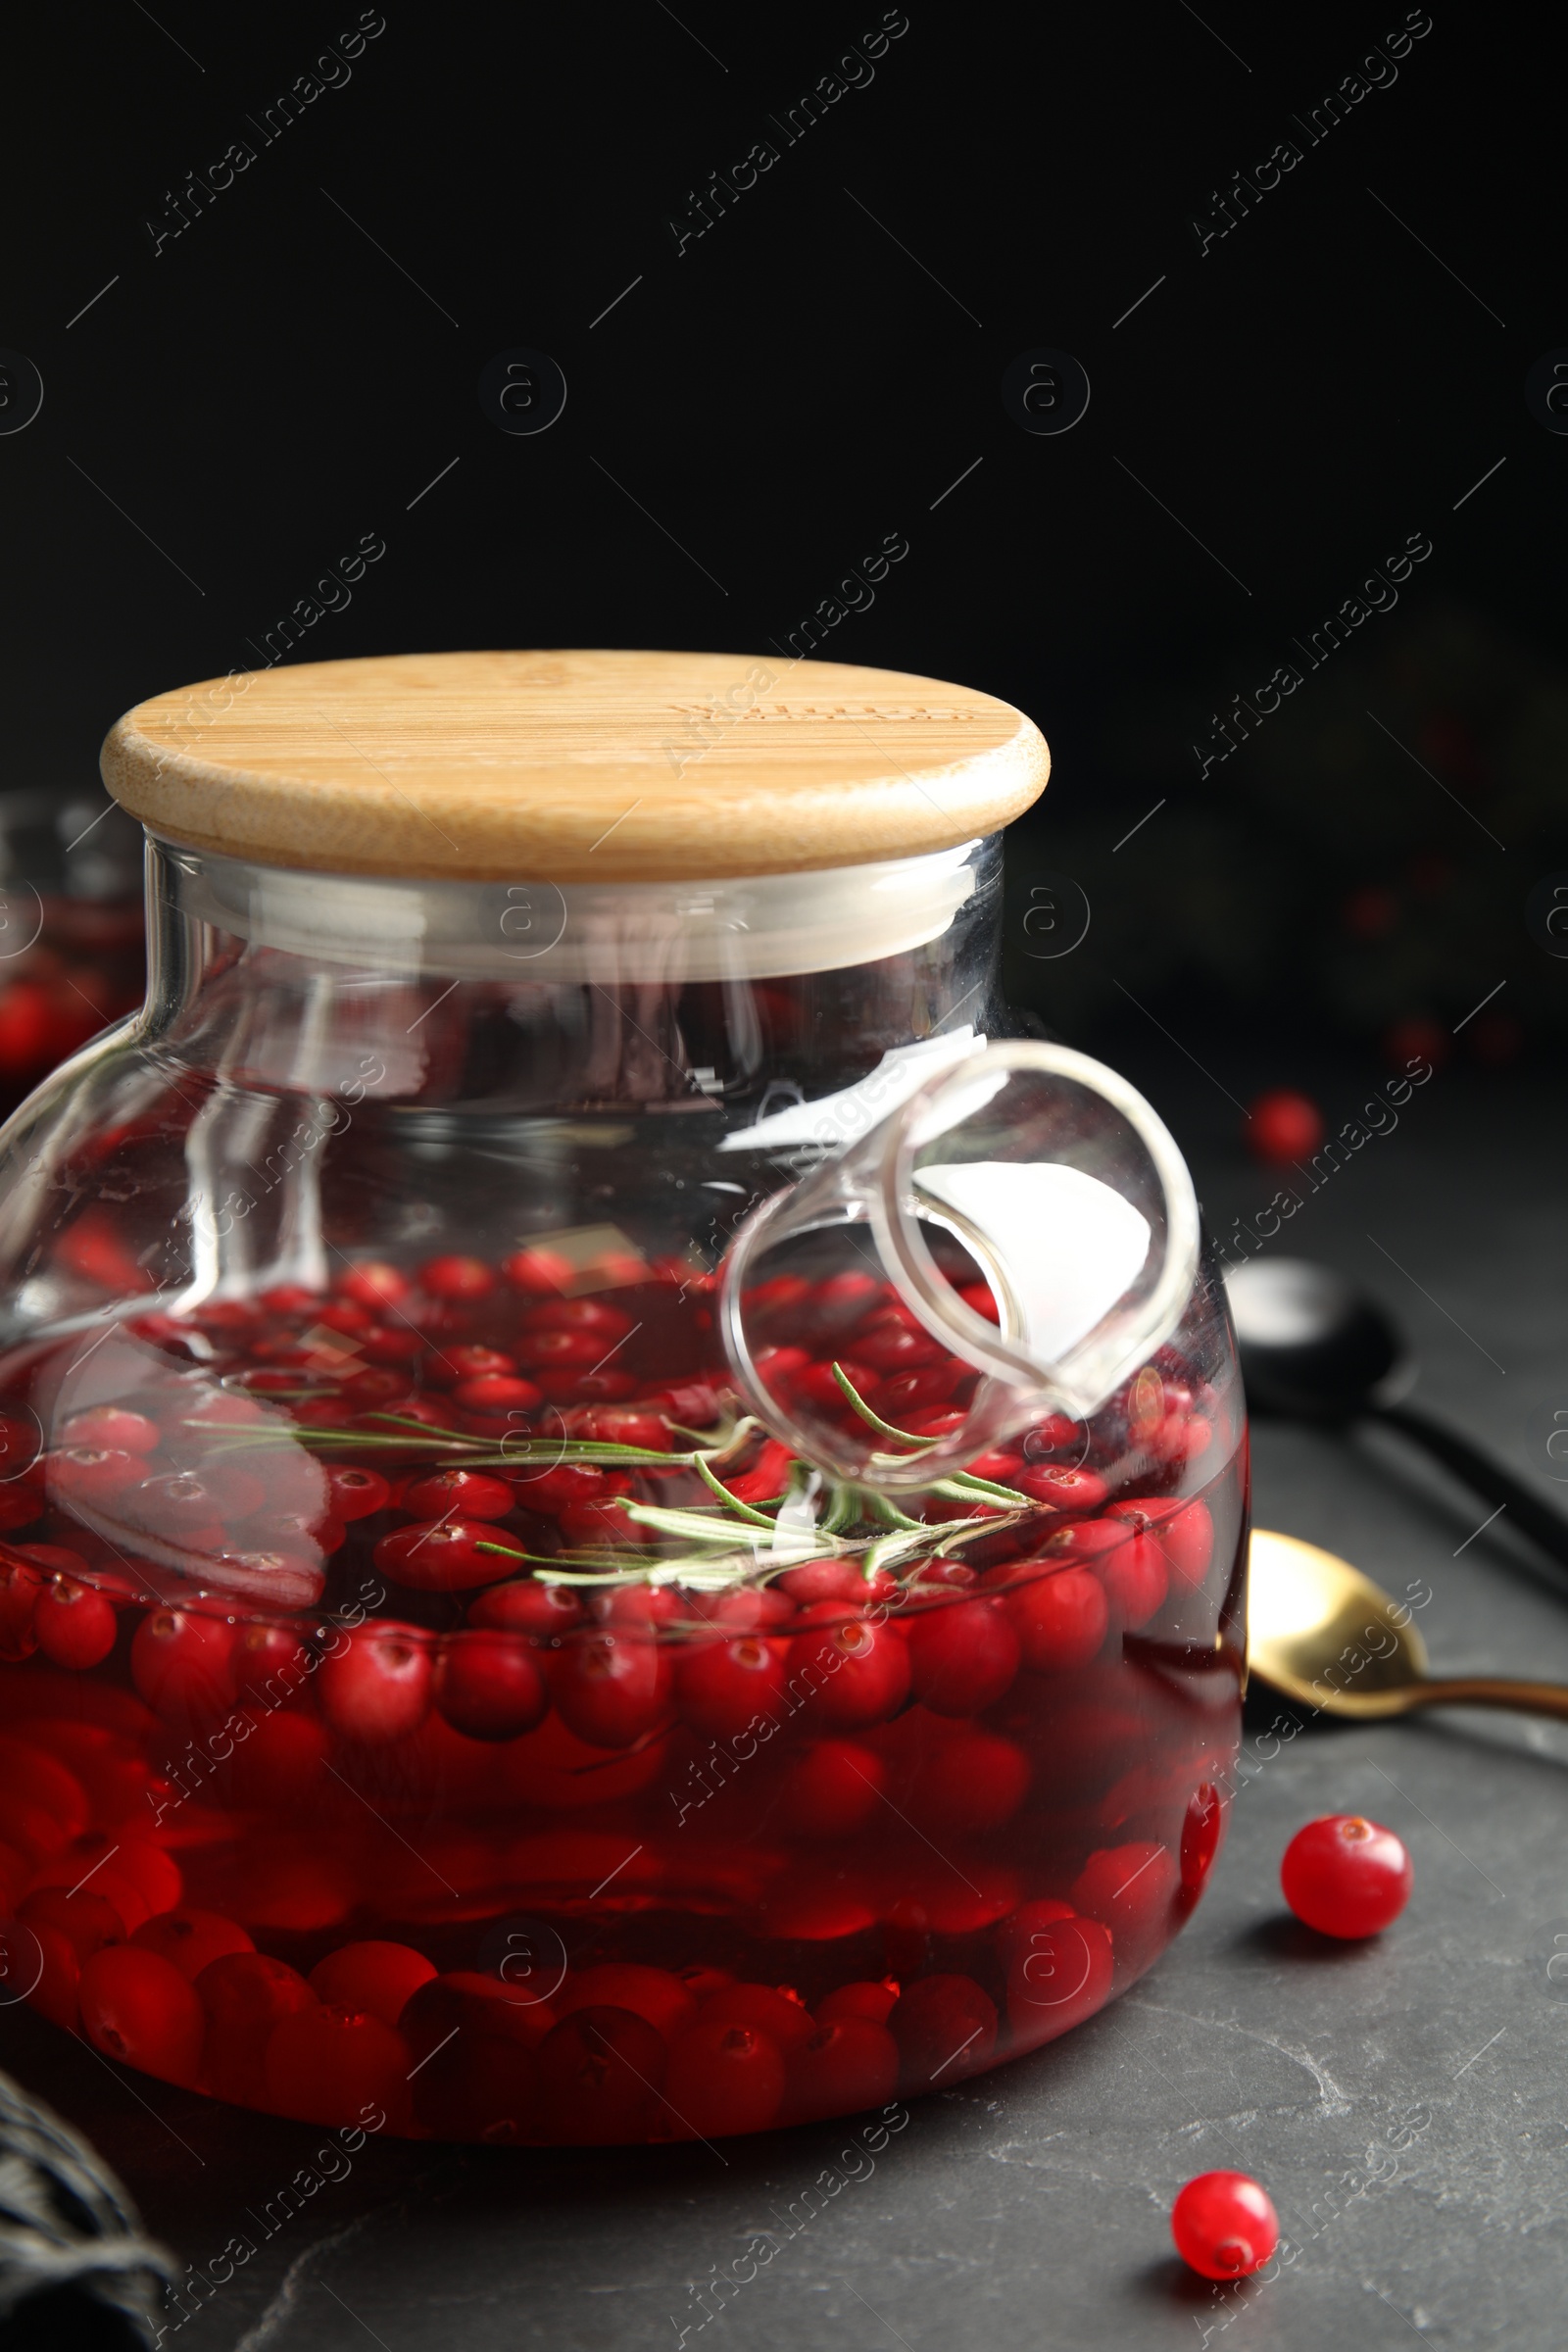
{"type": "Point", "coordinates": [1316, 1348]}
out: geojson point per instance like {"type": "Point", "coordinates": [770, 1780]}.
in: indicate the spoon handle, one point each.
{"type": "Point", "coordinates": [1482, 1473]}
{"type": "Point", "coordinates": [1492, 1691]}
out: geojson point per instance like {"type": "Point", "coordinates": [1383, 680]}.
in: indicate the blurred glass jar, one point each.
{"type": "Point", "coordinates": [72, 932]}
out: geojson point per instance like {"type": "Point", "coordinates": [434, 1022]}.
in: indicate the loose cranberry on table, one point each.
{"type": "Point", "coordinates": [1345, 1876]}
{"type": "Point", "coordinates": [1283, 1127]}
{"type": "Point", "coordinates": [1224, 2225]}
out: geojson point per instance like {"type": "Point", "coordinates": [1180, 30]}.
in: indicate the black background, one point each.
{"type": "Point", "coordinates": [299, 367]}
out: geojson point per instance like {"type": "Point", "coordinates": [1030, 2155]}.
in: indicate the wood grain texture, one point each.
{"type": "Point", "coordinates": [573, 766]}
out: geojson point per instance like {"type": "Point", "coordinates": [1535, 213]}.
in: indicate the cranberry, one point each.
{"type": "Point", "coordinates": [819, 1385]}
{"type": "Point", "coordinates": [613, 1688]}
{"type": "Point", "coordinates": [499, 1393]}
{"type": "Point", "coordinates": [778, 1298]}
{"type": "Point", "coordinates": [981, 1299]}
{"type": "Point", "coordinates": [645, 1605]}
{"type": "Point", "coordinates": [1134, 1571]}
{"type": "Point", "coordinates": [719, 1686]}
{"type": "Point", "coordinates": [967, 1780]}
{"type": "Point", "coordinates": [778, 1367]}
{"type": "Point", "coordinates": [1183, 1531]}
{"type": "Point", "coordinates": [87, 1920]}
{"type": "Point", "coordinates": [468, 1363]}
{"type": "Point", "coordinates": [874, 2001]}
{"type": "Point", "coordinates": [668, 2004]}
{"type": "Point", "coordinates": [373, 1282]}
{"type": "Point", "coordinates": [1068, 1490]}
{"type": "Point", "coordinates": [489, 1687]}
{"type": "Point", "coordinates": [824, 1580]}
{"type": "Point", "coordinates": [375, 1390]}
{"type": "Point", "coordinates": [289, 1299]}
{"type": "Point", "coordinates": [1224, 2225]}
{"type": "Point", "coordinates": [601, 2072]}
{"type": "Point", "coordinates": [1345, 1876]}
{"type": "Point", "coordinates": [525, 1606]}
{"type": "Point", "coordinates": [377, 1686]}
{"type": "Point", "coordinates": [301, 1538]}
{"type": "Point", "coordinates": [382, 1977]}
{"type": "Point", "coordinates": [562, 1350]}
{"type": "Point", "coordinates": [74, 1625]}
{"type": "Point", "coordinates": [621, 1425]}
{"type": "Point", "coordinates": [723, 2079]}
{"type": "Point", "coordinates": [138, 2008]}
{"type": "Point", "coordinates": [456, 1278]}
{"type": "Point", "coordinates": [536, 1270]}
{"type": "Point", "coordinates": [354, 1494]}
{"type": "Point", "coordinates": [138, 1878]}
{"type": "Point", "coordinates": [441, 1493]}
{"type": "Point", "coordinates": [21, 1584]}
{"type": "Point", "coordinates": [742, 1610]}
{"type": "Point", "coordinates": [764, 2009]}
{"type": "Point", "coordinates": [1128, 1888]}
{"type": "Point", "coordinates": [999, 1464]}
{"type": "Point", "coordinates": [389, 1345]}
{"type": "Point", "coordinates": [244, 1995]}
{"type": "Point", "coordinates": [476, 2005]}
{"type": "Point", "coordinates": [946, 2027]}
{"type": "Point", "coordinates": [329, 2066]}
{"type": "Point", "coordinates": [856, 1672]}
{"type": "Point", "coordinates": [905, 1391]}
{"type": "Point", "coordinates": [890, 1346]}
{"type": "Point", "coordinates": [607, 1387]}
{"type": "Point", "coordinates": [92, 1475]}
{"type": "Point", "coordinates": [595, 1526]}
{"type": "Point", "coordinates": [345, 1315]}
{"type": "Point", "coordinates": [1283, 1127]}
{"type": "Point", "coordinates": [1060, 1619]}
{"type": "Point", "coordinates": [261, 1651]}
{"type": "Point", "coordinates": [113, 1426]}
{"type": "Point", "coordinates": [191, 1940]}
{"type": "Point", "coordinates": [849, 2063]}
{"type": "Point", "coordinates": [443, 1555]}
{"type": "Point", "coordinates": [831, 1789]}
{"type": "Point", "coordinates": [842, 1301]}
{"type": "Point", "coordinates": [182, 1663]}
{"type": "Point", "coordinates": [555, 1491]}
{"type": "Point", "coordinates": [1060, 1969]}
{"type": "Point", "coordinates": [962, 1658]}
{"type": "Point", "coordinates": [693, 1404]}
{"type": "Point", "coordinates": [605, 1322]}
{"type": "Point", "coordinates": [183, 1503]}
{"type": "Point", "coordinates": [1202, 1830]}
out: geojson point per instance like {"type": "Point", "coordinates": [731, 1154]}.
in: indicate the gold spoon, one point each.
{"type": "Point", "coordinates": [1330, 1638]}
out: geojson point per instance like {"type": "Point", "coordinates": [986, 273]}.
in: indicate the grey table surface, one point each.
{"type": "Point", "coordinates": [1405, 2101]}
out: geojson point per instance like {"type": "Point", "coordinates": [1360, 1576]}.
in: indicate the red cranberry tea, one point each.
{"type": "Point", "coordinates": [590, 1787]}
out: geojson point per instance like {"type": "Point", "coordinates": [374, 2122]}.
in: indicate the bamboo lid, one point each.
{"type": "Point", "coordinates": [573, 766]}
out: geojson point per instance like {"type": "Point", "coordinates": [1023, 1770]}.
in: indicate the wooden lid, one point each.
{"type": "Point", "coordinates": [573, 766]}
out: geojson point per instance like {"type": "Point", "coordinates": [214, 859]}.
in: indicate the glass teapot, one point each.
{"type": "Point", "coordinates": [622, 1518]}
